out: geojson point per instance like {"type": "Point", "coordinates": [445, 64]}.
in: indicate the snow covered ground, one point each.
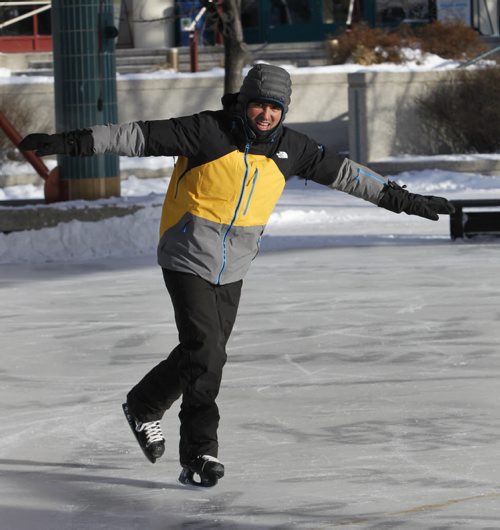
{"type": "Point", "coordinates": [361, 390]}
{"type": "Point", "coordinates": [307, 216]}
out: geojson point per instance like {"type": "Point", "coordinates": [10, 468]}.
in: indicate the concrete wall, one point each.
{"type": "Point", "coordinates": [319, 102]}
{"type": "Point", "coordinates": [372, 114]}
{"type": "Point", "coordinates": [383, 113]}
{"type": "Point", "coordinates": [318, 108]}
{"type": "Point", "coordinates": [34, 102]}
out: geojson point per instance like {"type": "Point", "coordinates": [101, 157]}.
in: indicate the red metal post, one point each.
{"type": "Point", "coordinates": [193, 50]}
{"type": "Point", "coordinates": [35, 32]}
{"type": "Point", "coordinates": [52, 187]}
{"type": "Point", "coordinates": [219, 39]}
{"type": "Point", "coordinates": [16, 138]}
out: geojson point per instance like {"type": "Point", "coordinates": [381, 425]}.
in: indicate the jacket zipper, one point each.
{"type": "Point", "coordinates": [254, 181]}
{"type": "Point", "coordinates": [236, 210]}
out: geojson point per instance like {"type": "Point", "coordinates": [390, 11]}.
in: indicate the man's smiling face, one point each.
{"type": "Point", "coordinates": [263, 116]}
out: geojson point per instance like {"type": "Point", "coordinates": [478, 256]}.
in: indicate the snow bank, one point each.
{"type": "Point", "coordinates": [305, 217]}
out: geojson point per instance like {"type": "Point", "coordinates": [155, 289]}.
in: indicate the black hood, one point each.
{"type": "Point", "coordinates": [230, 102]}
{"type": "Point", "coordinates": [266, 82]}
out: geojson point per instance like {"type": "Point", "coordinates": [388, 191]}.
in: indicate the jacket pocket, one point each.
{"type": "Point", "coordinates": [249, 199]}
{"type": "Point", "coordinates": [177, 184]}
{"type": "Point", "coordinates": [185, 226]}
{"type": "Point", "coordinates": [259, 241]}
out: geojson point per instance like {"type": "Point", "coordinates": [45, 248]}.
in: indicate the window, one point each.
{"type": "Point", "coordinates": [250, 13]}
{"type": "Point", "coordinates": [286, 12]}
{"type": "Point", "coordinates": [23, 27]}
{"type": "Point", "coordinates": [334, 11]}
{"type": "Point", "coordinates": [393, 12]}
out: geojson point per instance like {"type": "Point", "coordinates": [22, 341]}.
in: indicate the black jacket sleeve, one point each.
{"type": "Point", "coordinates": [172, 137]}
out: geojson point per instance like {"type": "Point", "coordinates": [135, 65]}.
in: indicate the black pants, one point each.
{"type": "Point", "coordinates": [204, 314]}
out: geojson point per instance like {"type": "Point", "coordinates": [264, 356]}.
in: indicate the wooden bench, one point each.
{"type": "Point", "coordinates": [475, 218]}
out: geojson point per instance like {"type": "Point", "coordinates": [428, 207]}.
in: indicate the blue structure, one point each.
{"type": "Point", "coordinates": [186, 12]}
{"type": "Point", "coordinates": [85, 90]}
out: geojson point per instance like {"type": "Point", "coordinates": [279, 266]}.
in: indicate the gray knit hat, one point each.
{"type": "Point", "coordinates": [266, 82]}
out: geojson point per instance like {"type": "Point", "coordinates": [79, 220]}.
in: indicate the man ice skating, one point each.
{"type": "Point", "coordinates": [231, 169]}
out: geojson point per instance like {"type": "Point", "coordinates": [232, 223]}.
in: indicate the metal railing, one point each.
{"type": "Point", "coordinates": [52, 187]}
{"type": "Point", "coordinates": [480, 57]}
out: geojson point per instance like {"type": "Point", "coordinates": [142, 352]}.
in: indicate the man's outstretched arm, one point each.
{"type": "Point", "coordinates": [176, 136]}
{"type": "Point", "coordinates": [126, 139]}
{"type": "Point", "coordinates": [360, 181]}
{"type": "Point", "coordinates": [326, 167]}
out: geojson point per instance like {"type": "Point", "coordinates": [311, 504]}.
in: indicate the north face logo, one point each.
{"type": "Point", "coordinates": [282, 154]}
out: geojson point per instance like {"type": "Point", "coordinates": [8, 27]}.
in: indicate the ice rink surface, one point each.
{"type": "Point", "coordinates": [362, 391]}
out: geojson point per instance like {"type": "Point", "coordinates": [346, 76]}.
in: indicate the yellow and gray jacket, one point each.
{"type": "Point", "coordinates": [224, 186]}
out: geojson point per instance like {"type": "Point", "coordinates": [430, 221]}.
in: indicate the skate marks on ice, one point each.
{"type": "Point", "coordinates": [60, 495]}
{"type": "Point", "coordinates": [360, 392]}
{"type": "Point", "coordinates": [366, 397]}
{"type": "Point", "coordinates": [139, 504]}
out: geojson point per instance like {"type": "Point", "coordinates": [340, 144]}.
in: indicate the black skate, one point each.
{"type": "Point", "coordinates": [148, 435]}
{"type": "Point", "coordinates": [202, 471]}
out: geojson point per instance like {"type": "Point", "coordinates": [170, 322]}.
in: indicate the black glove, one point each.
{"type": "Point", "coordinates": [74, 143]}
{"type": "Point", "coordinates": [396, 199]}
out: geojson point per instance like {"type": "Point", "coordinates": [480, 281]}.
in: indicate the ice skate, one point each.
{"type": "Point", "coordinates": [148, 435]}
{"type": "Point", "coordinates": [204, 471]}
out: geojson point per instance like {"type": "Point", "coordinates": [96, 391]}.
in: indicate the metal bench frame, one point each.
{"type": "Point", "coordinates": [480, 220]}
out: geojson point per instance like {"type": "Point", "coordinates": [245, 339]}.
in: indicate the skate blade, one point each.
{"type": "Point", "coordinates": [187, 478]}
{"type": "Point", "coordinates": [131, 423]}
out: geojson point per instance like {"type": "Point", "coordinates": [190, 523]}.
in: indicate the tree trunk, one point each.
{"type": "Point", "coordinates": [235, 48]}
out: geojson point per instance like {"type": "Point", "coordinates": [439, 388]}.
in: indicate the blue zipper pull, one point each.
{"type": "Point", "coordinates": [254, 181]}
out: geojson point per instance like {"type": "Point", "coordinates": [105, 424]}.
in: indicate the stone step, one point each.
{"type": "Point", "coordinates": [297, 54]}
{"type": "Point", "coordinates": [130, 60]}
{"type": "Point", "coordinates": [140, 52]}
{"type": "Point", "coordinates": [38, 72]}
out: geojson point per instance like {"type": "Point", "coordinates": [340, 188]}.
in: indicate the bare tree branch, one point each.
{"type": "Point", "coordinates": [235, 49]}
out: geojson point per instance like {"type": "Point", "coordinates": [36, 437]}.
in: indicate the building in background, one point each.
{"type": "Point", "coordinates": [162, 23]}
{"type": "Point", "coordinates": [25, 28]}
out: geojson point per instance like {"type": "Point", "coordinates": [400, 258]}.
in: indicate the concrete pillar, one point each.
{"type": "Point", "coordinates": [384, 120]}
{"type": "Point", "coordinates": [85, 90]}
{"type": "Point", "coordinates": [489, 17]}
{"type": "Point", "coordinates": [153, 23]}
